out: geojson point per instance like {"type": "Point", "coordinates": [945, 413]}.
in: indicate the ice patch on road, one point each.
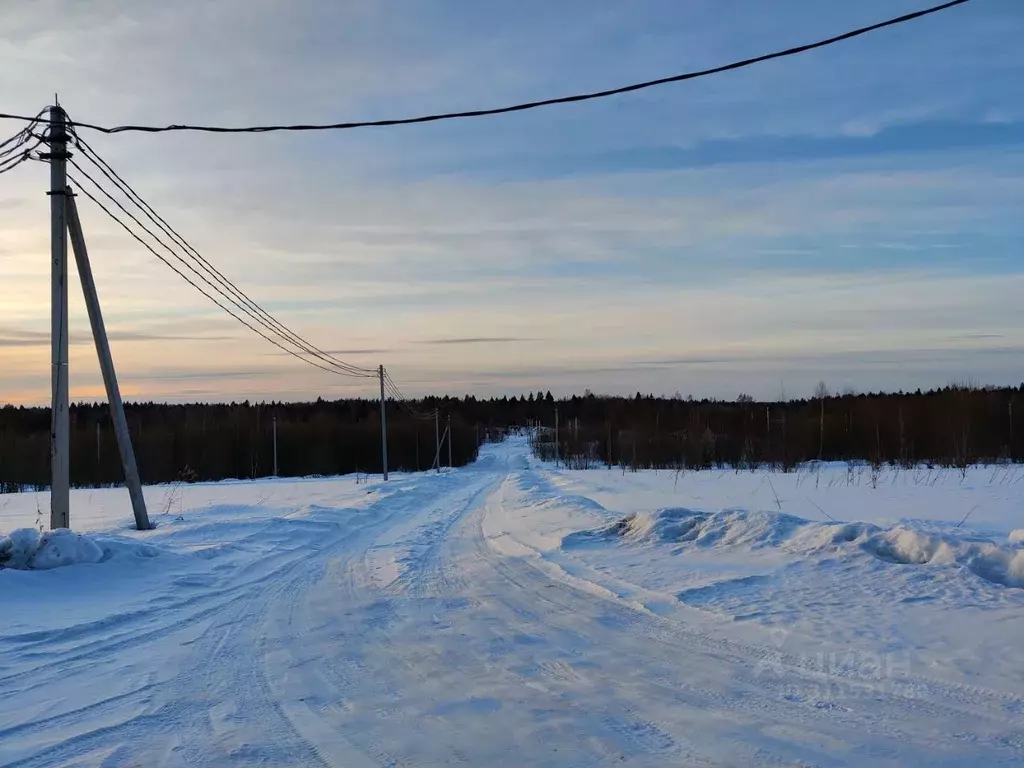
{"type": "Point", "coordinates": [27, 549]}
{"type": "Point", "coordinates": [903, 544]}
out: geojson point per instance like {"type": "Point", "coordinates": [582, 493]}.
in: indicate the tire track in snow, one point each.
{"type": "Point", "coordinates": [317, 699]}
{"type": "Point", "coordinates": [222, 655]}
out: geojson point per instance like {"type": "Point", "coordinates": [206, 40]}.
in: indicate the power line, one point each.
{"type": "Point", "coordinates": [393, 385]}
{"type": "Point", "coordinates": [527, 105]}
{"type": "Point", "coordinates": [13, 162]}
{"type": "Point", "coordinates": [187, 279]}
{"type": "Point", "coordinates": [403, 402]}
{"type": "Point", "coordinates": [20, 137]}
{"type": "Point", "coordinates": [400, 401]}
{"type": "Point", "coordinates": [13, 150]}
{"type": "Point", "coordinates": [191, 282]}
{"type": "Point", "coordinates": [250, 306]}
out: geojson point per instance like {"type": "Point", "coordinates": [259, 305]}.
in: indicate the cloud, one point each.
{"type": "Point", "coordinates": [477, 340]}
{"type": "Point", "coordinates": [923, 136]}
{"type": "Point", "coordinates": [16, 338]}
{"type": "Point", "coordinates": [177, 374]}
{"type": "Point", "coordinates": [354, 351]}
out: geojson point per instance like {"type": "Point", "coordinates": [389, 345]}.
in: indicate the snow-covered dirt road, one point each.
{"type": "Point", "coordinates": [508, 614]}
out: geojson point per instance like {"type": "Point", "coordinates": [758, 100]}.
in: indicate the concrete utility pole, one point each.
{"type": "Point", "coordinates": [99, 335]}
{"type": "Point", "coordinates": [275, 446]}
{"type": "Point", "coordinates": [383, 427]}
{"type": "Point", "coordinates": [449, 431]}
{"type": "Point", "coordinates": [437, 439]}
{"type": "Point", "coordinates": [60, 476]}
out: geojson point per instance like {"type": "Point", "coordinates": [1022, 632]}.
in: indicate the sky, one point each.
{"type": "Point", "coordinates": [851, 215]}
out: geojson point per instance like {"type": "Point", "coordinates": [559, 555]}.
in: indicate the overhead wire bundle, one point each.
{"type": "Point", "coordinates": [15, 150]}
{"type": "Point", "coordinates": [189, 264]}
{"type": "Point", "coordinates": [403, 402]}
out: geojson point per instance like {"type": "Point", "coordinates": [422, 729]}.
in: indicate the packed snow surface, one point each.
{"type": "Point", "coordinates": [513, 613]}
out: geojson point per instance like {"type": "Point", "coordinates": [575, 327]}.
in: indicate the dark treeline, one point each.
{"type": "Point", "coordinates": [199, 442]}
{"type": "Point", "coordinates": [954, 426]}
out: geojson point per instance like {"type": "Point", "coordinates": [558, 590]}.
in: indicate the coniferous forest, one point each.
{"type": "Point", "coordinates": [953, 426]}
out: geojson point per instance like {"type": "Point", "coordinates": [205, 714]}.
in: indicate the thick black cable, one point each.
{"type": "Point", "coordinates": [14, 160]}
{"type": "Point", "coordinates": [183, 276]}
{"type": "Point", "coordinates": [280, 328]}
{"type": "Point", "coordinates": [14, 151]}
{"type": "Point", "coordinates": [20, 137]}
{"type": "Point", "coordinates": [14, 143]}
{"type": "Point", "coordinates": [241, 308]}
{"type": "Point", "coordinates": [527, 105]}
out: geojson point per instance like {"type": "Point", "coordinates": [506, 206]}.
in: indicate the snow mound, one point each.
{"type": "Point", "coordinates": [26, 549]}
{"type": "Point", "coordinates": [992, 562]}
{"type": "Point", "coordinates": [731, 527]}
{"type": "Point", "coordinates": [901, 544]}
{"type": "Point", "coordinates": [665, 525]}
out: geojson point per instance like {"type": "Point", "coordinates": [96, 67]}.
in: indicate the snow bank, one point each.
{"type": "Point", "coordinates": [730, 527]}
{"type": "Point", "coordinates": [27, 549]}
{"type": "Point", "coordinates": [901, 544]}
{"type": "Point", "coordinates": [992, 562]}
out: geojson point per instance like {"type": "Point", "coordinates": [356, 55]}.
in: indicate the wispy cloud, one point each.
{"type": "Point", "coordinates": [15, 338]}
{"type": "Point", "coordinates": [478, 340]}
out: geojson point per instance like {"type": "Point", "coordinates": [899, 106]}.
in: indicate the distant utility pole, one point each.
{"type": "Point", "coordinates": [556, 436]}
{"type": "Point", "coordinates": [449, 431]}
{"type": "Point", "coordinates": [383, 427]}
{"type": "Point", "coordinates": [437, 439]}
{"type": "Point", "coordinates": [99, 335]}
{"type": "Point", "coordinates": [60, 471]}
{"type": "Point", "coordinates": [275, 446]}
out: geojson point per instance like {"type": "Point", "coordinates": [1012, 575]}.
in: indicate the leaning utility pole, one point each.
{"type": "Point", "coordinates": [99, 335]}
{"type": "Point", "coordinates": [60, 477]}
{"type": "Point", "coordinates": [383, 427]}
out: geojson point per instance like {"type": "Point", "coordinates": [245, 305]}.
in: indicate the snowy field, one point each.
{"type": "Point", "coordinates": [511, 613]}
